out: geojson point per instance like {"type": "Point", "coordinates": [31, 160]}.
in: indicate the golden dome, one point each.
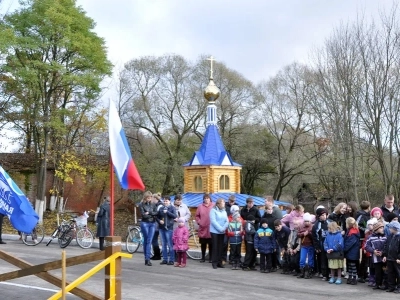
{"type": "Point", "coordinates": [211, 92]}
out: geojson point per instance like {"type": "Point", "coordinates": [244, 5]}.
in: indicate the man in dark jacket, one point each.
{"type": "Point", "coordinates": [319, 231]}
{"type": "Point", "coordinates": [389, 207]}
{"type": "Point", "coordinates": [250, 209]}
{"type": "Point", "coordinates": [228, 205]}
{"type": "Point", "coordinates": [276, 211]}
{"type": "Point", "coordinates": [391, 255]}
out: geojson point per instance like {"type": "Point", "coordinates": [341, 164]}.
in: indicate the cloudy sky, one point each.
{"type": "Point", "coordinates": [256, 38]}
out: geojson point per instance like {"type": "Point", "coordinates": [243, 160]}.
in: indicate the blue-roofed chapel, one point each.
{"type": "Point", "coordinates": [211, 168]}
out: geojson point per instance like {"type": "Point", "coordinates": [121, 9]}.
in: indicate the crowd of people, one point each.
{"type": "Point", "coordinates": [364, 241]}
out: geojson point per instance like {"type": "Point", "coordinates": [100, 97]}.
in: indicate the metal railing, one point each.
{"type": "Point", "coordinates": [108, 261]}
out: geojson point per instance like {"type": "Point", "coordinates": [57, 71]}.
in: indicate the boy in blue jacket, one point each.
{"type": "Point", "coordinates": [264, 243]}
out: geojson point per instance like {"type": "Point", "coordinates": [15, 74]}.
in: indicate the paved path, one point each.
{"type": "Point", "coordinates": [196, 281]}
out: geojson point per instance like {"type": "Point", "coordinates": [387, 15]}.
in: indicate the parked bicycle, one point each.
{"type": "Point", "coordinates": [70, 229]}
{"type": "Point", "coordinates": [84, 236]}
{"type": "Point", "coordinates": [194, 251]}
{"type": "Point", "coordinates": [134, 240]}
{"type": "Point", "coordinates": [35, 237]}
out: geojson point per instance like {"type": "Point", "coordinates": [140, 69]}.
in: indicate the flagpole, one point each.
{"type": "Point", "coordinates": [111, 197]}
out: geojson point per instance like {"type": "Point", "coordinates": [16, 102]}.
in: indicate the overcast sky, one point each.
{"type": "Point", "coordinates": [256, 37]}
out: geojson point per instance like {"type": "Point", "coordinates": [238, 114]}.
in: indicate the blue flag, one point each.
{"type": "Point", "coordinates": [15, 205]}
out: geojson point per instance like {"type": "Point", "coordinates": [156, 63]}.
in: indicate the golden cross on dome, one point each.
{"type": "Point", "coordinates": [211, 58]}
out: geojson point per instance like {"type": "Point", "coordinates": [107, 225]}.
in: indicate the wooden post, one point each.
{"type": "Point", "coordinates": [64, 274]}
{"type": "Point", "coordinates": [113, 245]}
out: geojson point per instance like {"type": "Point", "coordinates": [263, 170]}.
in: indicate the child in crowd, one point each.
{"type": "Point", "coordinates": [294, 249]}
{"type": "Point", "coordinates": [289, 208]}
{"type": "Point", "coordinates": [375, 245]}
{"type": "Point", "coordinates": [369, 264]}
{"type": "Point", "coordinates": [376, 212]}
{"type": "Point", "coordinates": [306, 247]}
{"type": "Point", "coordinates": [390, 217]}
{"type": "Point", "coordinates": [282, 237]}
{"type": "Point", "coordinates": [180, 239]}
{"type": "Point", "coordinates": [270, 217]}
{"type": "Point", "coordinates": [251, 255]}
{"type": "Point", "coordinates": [264, 243]}
{"type": "Point", "coordinates": [334, 246]}
{"type": "Point", "coordinates": [235, 234]}
{"type": "Point", "coordinates": [352, 249]}
{"type": "Point", "coordinates": [363, 215]}
{"type": "Point", "coordinates": [319, 231]}
{"type": "Point", "coordinates": [391, 255]}
{"type": "Point", "coordinates": [295, 216]}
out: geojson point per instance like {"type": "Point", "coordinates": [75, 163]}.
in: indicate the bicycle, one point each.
{"type": "Point", "coordinates": [73, 228]}
{"type": "Point", "coordinates": [35, 237]}
{"type": "Point", "coordinates": [135, 239]}
{"type": "Point", "coordinates": [61, 233]}
{"type": "Point", "coordinates": [194, 251]}
{"type": "Point", "coordinates": [84, 236]}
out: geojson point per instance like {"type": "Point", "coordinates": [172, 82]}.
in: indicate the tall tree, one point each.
{"type": "Point", "coordinates": [164, 104]}
{"type": "Point", "coordinates": [284, 101]}
{"type": "Point", "coordinates": [53, 60]}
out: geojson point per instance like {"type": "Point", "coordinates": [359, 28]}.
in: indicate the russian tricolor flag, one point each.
{"type": "Point", "coordinates": [121, 156]}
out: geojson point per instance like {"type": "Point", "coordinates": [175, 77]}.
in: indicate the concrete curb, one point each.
{"type": "Point", "coordinates": [15, 237]}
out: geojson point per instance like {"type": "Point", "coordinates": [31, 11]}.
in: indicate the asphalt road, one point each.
{"type": "Point", "coordinates": [196, 281]}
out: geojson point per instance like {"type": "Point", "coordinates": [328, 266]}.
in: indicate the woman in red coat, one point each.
{"type": "Point", "coordinates": [203, 221]}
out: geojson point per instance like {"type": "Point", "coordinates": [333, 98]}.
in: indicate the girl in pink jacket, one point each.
{"type": "Point", "coordinates": [180, 239]}
{"type": "Point", "coordinates": [296, 216]}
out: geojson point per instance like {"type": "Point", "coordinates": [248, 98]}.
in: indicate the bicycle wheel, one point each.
{"type": "Point", "coordinates": [65, 237]}
{"type": "Point", "coordinates": [84, 238]}
{"type": "Point", "coordinates": [33, 238]}
{"type": "Point", "coordinates": [53, 235]}
{"type": "Point", "coordinates": [133, 240]}
{"type": "Point", "coordinates": [194, 251]}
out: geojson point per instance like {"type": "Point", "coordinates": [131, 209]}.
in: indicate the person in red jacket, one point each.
{"type": "Point", "coordinates": [203, 220]}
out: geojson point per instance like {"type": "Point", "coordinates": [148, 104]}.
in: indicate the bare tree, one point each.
{"type": "Point", "coordinates": [285, 105]}
{"type": "Point", "coordinates": [165, 105]}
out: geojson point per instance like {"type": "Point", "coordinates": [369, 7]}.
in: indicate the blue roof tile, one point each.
{"type": "Point", "coordinates": [212, 150]}
{"type": "Point", "coordinates": [195, 199]}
